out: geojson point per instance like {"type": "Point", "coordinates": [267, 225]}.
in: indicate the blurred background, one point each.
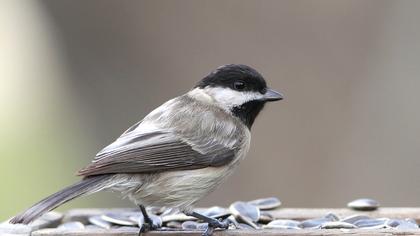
{"type": "Point", "coordinates": [76, 74]}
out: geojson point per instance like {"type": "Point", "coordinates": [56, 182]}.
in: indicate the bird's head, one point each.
{"type": "Point", "coordinates": [238, 89]}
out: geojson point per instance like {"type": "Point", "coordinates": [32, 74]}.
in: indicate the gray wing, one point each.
{"type": "Point", "coordinates": [155, 151]}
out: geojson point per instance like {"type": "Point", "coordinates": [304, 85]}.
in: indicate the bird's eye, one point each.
{"type": "Point", "coordinates": [263, 91]}
{"type": "Point", "coordinates": [239, 85]}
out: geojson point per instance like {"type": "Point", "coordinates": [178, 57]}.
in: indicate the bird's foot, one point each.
{"type": "Point", "coordinates": [147, 226]}
{"type": "Point", "coordinates": [219, 224]}
{"type": "Point", "coordinates": [214, 224]}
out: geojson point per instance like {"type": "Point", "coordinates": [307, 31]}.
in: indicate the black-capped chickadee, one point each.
{"type": "Point", "coordinates": [179, 152]}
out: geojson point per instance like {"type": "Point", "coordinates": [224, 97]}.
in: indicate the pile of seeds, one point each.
{"type": "Point", "coordinates": [252, 215]}
{"type": "Point", "coordinates": [244, 215]}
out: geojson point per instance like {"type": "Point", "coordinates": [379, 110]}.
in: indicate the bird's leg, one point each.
{"type": "Point", "coordinates": [212, 223]}
{"type": "Point", "coordinates": [148, 222]}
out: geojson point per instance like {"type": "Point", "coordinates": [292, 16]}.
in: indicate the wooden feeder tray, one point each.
{"type": "Point", "coordinates": [46, 227]}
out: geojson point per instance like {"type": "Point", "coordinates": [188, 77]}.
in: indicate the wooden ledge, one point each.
{"type": "Point", "coordinates": [281, 213]}
{"type": "Point", "coordinates": [301, 232]}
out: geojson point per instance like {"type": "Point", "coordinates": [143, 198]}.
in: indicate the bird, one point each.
{"type": "Point", "coordinates": [178, 153]}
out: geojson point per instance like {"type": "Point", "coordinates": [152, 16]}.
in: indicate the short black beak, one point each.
{"type": "Point", "coordinates": [272, 95]}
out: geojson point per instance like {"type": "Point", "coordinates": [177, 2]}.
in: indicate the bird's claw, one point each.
{"type": "Point", "coordinates": [219, 224]}
{"type": "Point", "coordinates": [146, 227]}
{"type": "Point", "coordinates": [213, 225]}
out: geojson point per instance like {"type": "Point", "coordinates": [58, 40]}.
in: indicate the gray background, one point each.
{"type": "Point", "coordinates": [78, 73]}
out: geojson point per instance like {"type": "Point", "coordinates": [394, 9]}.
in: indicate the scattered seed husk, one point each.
{"type": "Point", "coordinates": [316, 223]}
{"type": "Point", "coordinates": [174, 224]}
{"type": "Point", "coordinates": [332, 217]}
{"type": "Point", "coordinates": [14, 229]}
{"type": "Point", "coordinates": [265, 217]}
{"type": "Point", "coordinates": [98, 221]}
{"type": "Point", "coordinates": [193, 225]}
{"type": "Point", "coordinates": [118, 219]}
{"type": "Point", "coordinates": [312, 223]}
{"type": "Point", "coordinates": [177, 217]}
{"type": "Point", "coordinates": [49, 219]}
{"type": "Point", "coordinates": [245, 213]}
{"type": "Point", "coordinates": [243, 209]}
{"type": "Point", "coordinates": [337, 225]}
{"type": "Point", "coordinates": [72, 225]}
{"type": "Point", "coordinates": [406, 224]}
{"type": "Point", "coordinates": [353, 218]}
{"type": "Point", "coordinates": [411, 220]}
{"type": "Point", "coordinates": [372, 223]}
{"type": "Point", "coordinates": [266, 203]}
{"type": "Point", "coordinates": [363, 204]}
{"type": "Point", "coordinates": [283, 224]}
{"type": "Point", "coordinates": [215, 212]}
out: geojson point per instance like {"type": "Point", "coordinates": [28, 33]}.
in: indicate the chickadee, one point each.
{"type": "Point", "coordinates": [179, 152]}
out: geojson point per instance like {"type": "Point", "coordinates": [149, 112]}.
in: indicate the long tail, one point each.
{"type": "Point", "coordinates": [88, 185]}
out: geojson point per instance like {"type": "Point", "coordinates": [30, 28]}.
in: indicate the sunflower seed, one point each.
{"type": "Point", "coordinates": [378, 223]}
{"type": "Point", "coordinates": [174, 224]}
{"type": "Point", "coordinates": [192, 225]}
{"type": "Point", "coordinates": [337, 225]}
{"type": "Point", "coordinates": [118, 219]}
{"type": "Point", "coordinates": [244, 209]}
{"type": "Point", "coordinates": [266, 203]}
{"type": "Point", "coordinates": [353, 218]}
{"type": "Point", "coordinates": [317, 222]}
{"type": "Point", "coordinates": [283, 224]}
{"type": "Point", "coordinates": [402, 224]}
{"type": "Point", "coordinates": [72, 225]}
{"type": "Point", "coordinates": [363, 204]}
{"type": "Point", "coordinates": [216, 212]}
{"type": "Point", "coordinates": [331, 217]}
{"type": "Point", "coordinates": [411, 220]}
{"type": "Point", "coordinates": [177, 217]}
{"type": "Point", "coordinates": [265, 217]}
{"type": "Point", "coordinates": [246, 213]}
{"type": "Point", "coordinates": [98, 221]}
{"type": "Point", "coordinates": [15, 229]}
{"type": "Point", "coordinates": [48, 220]}
{"type": "Point", "coordinates": [407, 225]}
{"type": "Point", "coordinates": [313, 223]}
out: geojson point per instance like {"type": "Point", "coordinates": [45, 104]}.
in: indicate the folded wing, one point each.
{"type": "Point", "coordinates": [154, 151]}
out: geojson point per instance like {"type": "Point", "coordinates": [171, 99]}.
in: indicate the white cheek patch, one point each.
{"type": "Point", "coordinates": [200, 95]}
{"type": "Point", "coordinates": [228, 98]}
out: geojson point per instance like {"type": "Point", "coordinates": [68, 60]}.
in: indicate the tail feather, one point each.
{"type": "Point", "coordinates": [87, 185]}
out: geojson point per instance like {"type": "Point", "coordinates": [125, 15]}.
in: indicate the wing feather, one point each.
{"type": "Point", "coordinates": [154, 152]}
